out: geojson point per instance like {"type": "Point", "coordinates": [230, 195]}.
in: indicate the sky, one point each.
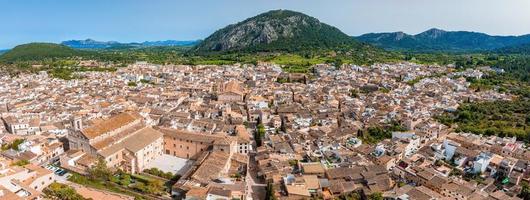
{"type": "Point", "coordinates": [24, 21]}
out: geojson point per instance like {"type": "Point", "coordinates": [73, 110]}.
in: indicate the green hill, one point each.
{"type": "Point", "coordinates": [39, 51]}
{"type": "Point", "coordinates": [277, 30]}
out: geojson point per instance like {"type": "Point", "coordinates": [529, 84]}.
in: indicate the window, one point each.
{"type": "Point", "coordinates": [188, 148]}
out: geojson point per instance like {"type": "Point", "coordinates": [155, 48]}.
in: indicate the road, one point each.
{"type": "Point", "coordinates": [255, 188]}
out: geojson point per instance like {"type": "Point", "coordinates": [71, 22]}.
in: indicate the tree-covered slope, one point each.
{"type": "Point", "coordinates": [519, 49]}
{"type": "Point", "coordinates": [39, 51]}
{"type": "Point", "coordinates": [440, 40]}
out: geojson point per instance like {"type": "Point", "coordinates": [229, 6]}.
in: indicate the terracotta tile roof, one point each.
{"type": "Point", "coordinates": [313, 168]}
{"type": "Point", "coordinates": [297, 190]}
{"type": "Point", "coordinates": [212, 167]}
{"type": "Point", "coordinates": [186, 135]}
{"type": "Point", "coordinates": [111, 124]}
{"type": "Point", "coordinates": [233, 86]}
{"type": "Point", "coordinates": [134, 142]}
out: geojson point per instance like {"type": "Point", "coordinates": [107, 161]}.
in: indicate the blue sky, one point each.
{"type": "Point", "coordinates": [24, 21]}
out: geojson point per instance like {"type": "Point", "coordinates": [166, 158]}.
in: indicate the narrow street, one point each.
{"type": "Point", "coordinates": [255, 189]}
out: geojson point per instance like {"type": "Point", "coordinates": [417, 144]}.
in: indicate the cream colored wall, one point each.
{"type": "Point", "coordinates": [151, 152]}
{"type": "Point", "coordinates": [42, 182]}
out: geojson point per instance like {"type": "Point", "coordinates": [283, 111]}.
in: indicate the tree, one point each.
{"type": "Point", "coordinates": [125, 180]}
{"type": "Point", "coordinates": [259, 134]}
{"type": "Point", "coordinates": [338, 63]}
{"type": "Point", "coordinates": [375, 196]}
{"type": "Point", "coordinates": [14, 145]}
{"type": "Point", "coordinates": [350, 196]}
{"type": "Point", "coordinates": [354, 93]}
{"type": "Point", "coordinates": [21, 163]}
{"type": "Point", "coordinates": [154, 187]}
{"type": "Point", "coordinates": [525, 191]}
{"type": "Point", "coordinates": [100, 171]}
{"type": "Point", "coordinates": [59, 191]}
{"type": "Point", "coordinates": [269, 192]}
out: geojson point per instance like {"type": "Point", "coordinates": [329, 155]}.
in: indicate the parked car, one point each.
{"type": "Point", "coordinates": [62, 173]}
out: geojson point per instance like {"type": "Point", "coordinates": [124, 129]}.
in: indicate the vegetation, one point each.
{"type": "Point", "coordinates": [350, 196]}
{"type": "Point", "coordinates": [100, 177]}
{"type": "Point", "coordinates": [293, 162]}
{"type": "Point", "coordinates": [40, 51]}
{"type": "Point", "coordinates": [100, 171]}
{"type": "Point", "coordinates": [436, 40]}
{"type": "Point", "coordinates": [21, 162]}
{"type": "Point", "coordinates": [375, 134]}
{"type": "Point", "coordinates": [501, 118]}
{"type": "Point", "coordinates": [525, 191]}
{"type": "Point", "coordinates": [59, 191]}
{"type": "Point", "coordinates": [477, 177]}
{"type": "Point", "coordinates": [13, 145]}
{"type": "Point", "coordinates": [280, 30]}
{"type": "Point", "coordinates": [354, 93]}
{"type": "Point", "coordinates": [270, 192]}
{"type": "Point", "coordinates": [375, 196]}
{"type": "Point", "coordinates": [160, 173]}
{"type": "Point", "coordinates": [132, 84]}
{"type": "Point", "coordinates": [259, 134]}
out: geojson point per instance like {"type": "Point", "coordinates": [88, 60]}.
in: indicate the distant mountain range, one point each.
{"type": "Point", "coordinates": [440, 40]}
{"type": "Point", "coordinates": [294, 32]}
{"type": "Point", "coordinates": [93, 44]}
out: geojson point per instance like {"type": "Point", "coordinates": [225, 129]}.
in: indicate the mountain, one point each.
{"type": "Point", "coordinates": [169, 43]}
{"type": "Point", "coordinates": [39, 51]}
{"type": "Point", "coordinates": [277, 30]}
{"type": "Point", "coordinates": [440, 40]}
{"type": "Point", "coordinates": [93, 44]}
{"type": "Point", "coordinates": [3, 51]}
{"type": "Point", "coordinates": [89, 44]}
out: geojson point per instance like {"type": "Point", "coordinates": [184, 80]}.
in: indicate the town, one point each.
{"type": "Point", "coordinates": [247, 131]}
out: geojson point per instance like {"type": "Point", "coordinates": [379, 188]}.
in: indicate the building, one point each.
{"type": "Point", "coordinates": [185, 144]}
{"type": "Point", "coordinates": [23, 182]}
{"type": "Point", "coordinates": [481, 162]}
{"type": "Point", "coordinates": [21, 126]}
{"type": "Point", "coordinates": [231, 92]}
{"type": "Point", "coordinates": [123, 141]}
{"type": "Point", "coordinates": [243, 140]}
